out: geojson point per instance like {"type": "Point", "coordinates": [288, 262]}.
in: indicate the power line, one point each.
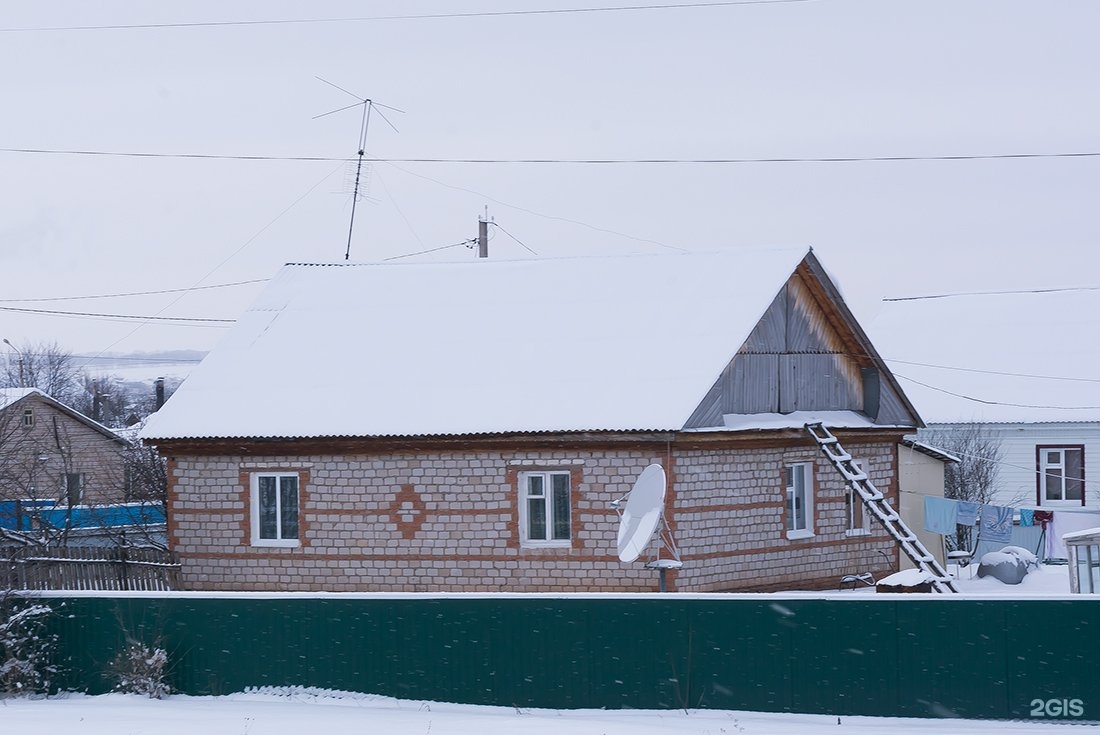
{"type": "Point", "coordinates": [993, 372]}
{"type": "Point", "coordinates": [509, 234]}
{"type": "Point", "coordinates": [432, 250]}
{"type": "Point", "coordinates": [135, 293]}
{"type": "Point", "coordinates": [561, 161]}
{"type": "Point", "coordinates": [110, 316]}
{"type": "Point", "coordinates": [424, 16]}
{"type": "Point", "coordinates": [995, 293]}
{"type": "Point", "coordinates": [996, 403]}
{"type": "Point", "coordinates": [119, 358]}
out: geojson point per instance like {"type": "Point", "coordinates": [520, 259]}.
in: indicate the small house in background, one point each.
{"type": "Point", "coordinates": [63, 476]}
{"type": "Point", "coordinates": [467, 426]}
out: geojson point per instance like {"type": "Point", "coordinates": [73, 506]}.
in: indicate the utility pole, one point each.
{"type": "Point", "coordinates": [482, 237]}
{"type": "Point", "coordinates": [22, 383]}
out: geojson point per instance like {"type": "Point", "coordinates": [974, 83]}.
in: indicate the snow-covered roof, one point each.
{"type": "Point", "coordinates": [931, 451]}
{"type": "Point", "coordinates": [797, 420]}
{"type": "Point", "coordinates": [10, 396]}
{"type": "Point", "coordinates": [568, 344]}
{"type": "Point", "coordinates": [1001, 358]}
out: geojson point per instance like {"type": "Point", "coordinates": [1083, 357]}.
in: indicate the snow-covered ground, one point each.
{"type": "Point", "coordinates": [293, 712]}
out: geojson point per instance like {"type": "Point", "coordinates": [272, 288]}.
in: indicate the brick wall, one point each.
{"type": "Point", "coordinates": [447, 521]}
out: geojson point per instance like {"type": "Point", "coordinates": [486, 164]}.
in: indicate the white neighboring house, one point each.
{"type": "Point", "coordinates": [1025, 366]}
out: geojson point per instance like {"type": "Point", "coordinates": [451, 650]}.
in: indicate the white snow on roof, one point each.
{"type": "Point", "coordinates": [796, 420]}
{"type": "Point", "coordinates": [568, 344]}
{"type": "Point", "coordinates": [1041, 335]}
{"type": "Point", "coordinates": [9, 396]}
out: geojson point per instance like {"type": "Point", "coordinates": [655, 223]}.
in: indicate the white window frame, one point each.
{"type": "Point", "coordinates": [548, 500]}
{"type": "Point", "coordinates": [855, 510]}
{"type": "Point", "coordinates": [1061, 471]}
{"type": "Point", "coordinates": [792, 472]}
{"type": "Point", "coordinates": [254, 482]}
{"type": "Point", "coordinates": [28, 418]}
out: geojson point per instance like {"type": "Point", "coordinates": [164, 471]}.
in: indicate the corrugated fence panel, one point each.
{"type": "Point", "coordinates": [900, 657]}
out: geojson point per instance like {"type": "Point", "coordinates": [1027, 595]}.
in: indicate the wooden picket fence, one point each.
{"type": "Point", "coordinates": [92, 568]}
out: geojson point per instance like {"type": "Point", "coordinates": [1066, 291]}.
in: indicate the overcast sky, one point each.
{"type": "Point", "coordinates": [811, 79]}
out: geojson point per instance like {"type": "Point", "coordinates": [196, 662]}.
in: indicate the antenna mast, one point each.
{"type": "Point", "coordinates": [368, 106]}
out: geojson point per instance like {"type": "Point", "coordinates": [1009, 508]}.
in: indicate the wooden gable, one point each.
{"type": "Point", "coordinates": [806, 354]}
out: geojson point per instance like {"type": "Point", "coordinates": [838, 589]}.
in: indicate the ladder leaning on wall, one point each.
{"type": "Point", "coordinates": [857, 480]}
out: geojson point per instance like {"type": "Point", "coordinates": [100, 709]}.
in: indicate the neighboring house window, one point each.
{"type": "Point", "coordinates": [275, 509]}
{"type": "Point", "coordinates": [1061, 473]}
{"type": "Point", "coordinates": [854, 516]}
{"type": "Point", "coordinates": [28, 417]}
{"type": "Point", "coordinates": [72, 485]}
{"type": "Point", "coordinates": [800, 501]}
{"type": "Point", "coordinates": [544, 508]}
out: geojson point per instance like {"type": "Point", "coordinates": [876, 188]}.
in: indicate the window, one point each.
{"type": "Point", "coordinates": [72, 487]}
{"type": "Point", "coordinates": [28, 418]}
{"type": "Point", "coordinates": [800, 501]}
{"type": "Point", "coordinates": [274, 509]}
{"type": "Point", "coordinates": [544, 508]}
{"type": "Point", "coordinates": [1061, 474]}
{"type": "Point", "coordinates": [854, 516]}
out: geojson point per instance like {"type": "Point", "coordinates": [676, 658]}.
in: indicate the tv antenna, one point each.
{"type": "Point", "coordinates": [645, 513]}
{"type": "Point", "coordinates": [368, 106]}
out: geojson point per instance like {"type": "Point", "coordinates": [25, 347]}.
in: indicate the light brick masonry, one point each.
{"type": "Point", "coordinates": [448, 521]}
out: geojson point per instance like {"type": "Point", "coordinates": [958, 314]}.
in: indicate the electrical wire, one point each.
{"type": "Point", "coordinates": [994, 293]}
{"type": "Point", "coordinates": [992, 372]}
{"type": "Point", "coordinates": [113, 316]}
{"type": "Point", "coordinates": [135, 293]}
{"type": "Point", "coordinates": [995, 403]}
{"type": "Point", "coordinates": [423, 16]}
{"type": "Point", "coordinates": [509, 234]}
{"type": "Point", "coordinates": [563, 161]}
{"type": "Point", "coordinates": [432, 250]}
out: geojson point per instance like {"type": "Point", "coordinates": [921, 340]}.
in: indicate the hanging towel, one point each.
{"type": "Point", "coordinates": [939, 514]}
{"type": "Point", "coordinates": [1027, 517]}
{"type": "Point", "coordinates": [996, 523]}
{"type": "Point", "coordinates": [968, 513]}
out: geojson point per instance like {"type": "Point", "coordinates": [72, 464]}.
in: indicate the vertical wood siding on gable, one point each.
{"type": "Point", "coordinates": [794, 360]}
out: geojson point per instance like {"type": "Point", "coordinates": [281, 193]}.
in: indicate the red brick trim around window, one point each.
{"type": "Point", "coordinates": [576, 528]}
{"type": "Point", "coordinates": [245, 489]}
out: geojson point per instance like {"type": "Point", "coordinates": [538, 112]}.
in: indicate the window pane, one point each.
{"type": "Point", "coordinates": [559, 485]}
{"type": "Point", "coordinates": [796, 498]}
{"type": "Point", "coordinates": [288, 504]}
{"type": "Point", "coordinates": [534, 485]}
{"type": "Point", "coordinates": [1053, 484]}
{"type": "Point", "coordinates": [1054, 457]}
{"type": "Point", "coordinates": [1075, 474]}
{"type": "Point", "coordinates": [268, 525]}
{"type": "Point", "coordinates": [536, 519]}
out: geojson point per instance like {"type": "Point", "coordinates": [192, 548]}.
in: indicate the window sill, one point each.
{"type": "Point", "coordinates": [857, 532]}
{"type": "Point", "coordinates": [277, 543]}
{"type": "Point", "coordinates": [533, 545]}
{"type": "Point", "coordinates": [797, 535]}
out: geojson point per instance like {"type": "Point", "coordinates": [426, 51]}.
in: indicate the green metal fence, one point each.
{"type": "Point", "coordinates": [872, 656]}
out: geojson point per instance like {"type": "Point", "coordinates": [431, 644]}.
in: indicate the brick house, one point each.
{"type": "Point", "coordinates": [54, 456]}
{"type": "Point", "coordinates": [466, 426]}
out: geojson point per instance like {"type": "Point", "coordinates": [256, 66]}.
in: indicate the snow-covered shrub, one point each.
{"type": "Point", "coordinates": [25, 645]}
{"type": "Point", "coordinates": [141, 669]}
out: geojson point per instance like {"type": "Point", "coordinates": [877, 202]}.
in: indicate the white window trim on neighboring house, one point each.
{"type": "Point", "coordinates": [66, 491]}
{"type": "Point", "coordinates": [1059, 470]}
{"type": "Point", "coordinates": [856, 518]}
{"type": "Point", "coordinates": [278, 539]}
{"type": "Point", "coordinates": [799, 479]}
{"type": "Point", "coordinates": [550, 508]}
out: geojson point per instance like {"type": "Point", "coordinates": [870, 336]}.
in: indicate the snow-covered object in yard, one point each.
{"type": "Point", "coordinates": [1002, 565]}
{"type": "Point", "coordinates": [1023, 555]}
{"type": "Point", "coordinates": [566, 344]}
{"type": "Point", "coordinates": [908, 578]}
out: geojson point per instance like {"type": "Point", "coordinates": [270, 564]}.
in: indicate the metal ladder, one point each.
{"type": "Point", "coordinates": [874, 500]}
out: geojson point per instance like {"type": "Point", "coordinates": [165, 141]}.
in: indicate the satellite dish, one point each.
{"type": "Point", "coordinates": [643, 512]}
